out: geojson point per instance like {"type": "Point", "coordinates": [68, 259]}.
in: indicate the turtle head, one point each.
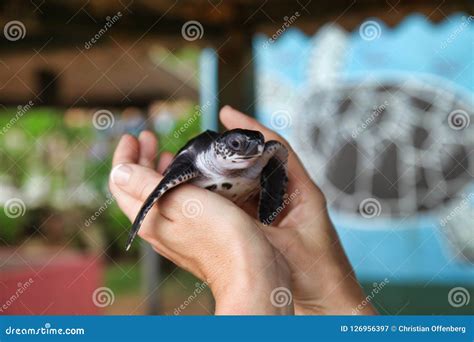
{"type": "Point", "coordinates": [239, 148]}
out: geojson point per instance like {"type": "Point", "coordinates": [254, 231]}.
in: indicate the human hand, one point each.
{"type": "Point", "coordinates": [200, 231]}
{"type": "Point", "coordinates": [323, 281]}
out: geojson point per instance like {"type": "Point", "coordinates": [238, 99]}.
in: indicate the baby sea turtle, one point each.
{"type": "Point", "coordinates": [236, 164]}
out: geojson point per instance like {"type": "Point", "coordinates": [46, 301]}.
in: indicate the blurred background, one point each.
{"type": "Point", "coordinates": [375, 96]}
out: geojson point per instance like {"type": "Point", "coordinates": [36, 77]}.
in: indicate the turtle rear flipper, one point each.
{"type": "Point", "coordinates": [179, 171]}
{"type": "Point", "coordinates": [273, 182]}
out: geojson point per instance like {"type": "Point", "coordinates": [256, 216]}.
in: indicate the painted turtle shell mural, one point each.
{"type": "Point", "coordinates": [392, 150]}
{"type": "Point", "coordinates": [407, 144]}
{"type": "Point", "coordinates": [384, 124]}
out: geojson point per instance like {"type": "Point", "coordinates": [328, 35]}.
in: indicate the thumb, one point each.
{"type": "Point", "coordinates": [136, 180]}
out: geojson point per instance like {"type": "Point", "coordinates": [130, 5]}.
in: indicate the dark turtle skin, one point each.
{"type": "Point", "coordinates": [237, 164]}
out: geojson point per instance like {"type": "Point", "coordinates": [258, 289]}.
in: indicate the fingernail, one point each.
{"type": "Point", "coordinates": [227, 107]}
{"type": "Point", "coordinates": [121, 174]}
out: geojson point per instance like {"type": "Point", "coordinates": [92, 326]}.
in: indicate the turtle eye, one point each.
{"type": "Point", "coordinates": [235, 144]}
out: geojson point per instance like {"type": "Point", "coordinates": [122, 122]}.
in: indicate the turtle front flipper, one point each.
{"type": "Point", "coordinates": [273, 182]}
{"type": "Point", "coordinates": [179, 171]}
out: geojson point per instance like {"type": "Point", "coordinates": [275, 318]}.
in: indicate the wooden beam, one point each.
{"type": "Point", "coordinates": [236, 74]}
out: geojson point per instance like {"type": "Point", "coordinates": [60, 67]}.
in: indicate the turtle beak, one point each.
{"type": "Point", "coordinates": [254, 149]}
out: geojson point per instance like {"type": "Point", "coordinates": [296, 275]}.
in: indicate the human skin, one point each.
{"type": "Point", "coordinates": [216, 241]}
{"type": "Point", "coordinates": [242, 259]}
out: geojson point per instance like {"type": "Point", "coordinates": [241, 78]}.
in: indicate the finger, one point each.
{"type": "Point", "coordinates": [128, 204]}
{"type": "Point", "coordinates": [136, 180]}
{"type": "Point", "coordinates": [131, 184]}
{"type": "Point", "coordinates": [165, 160]}
{"type": "Point", "coordinates": [188, 203]}
{"type": "Point", "coordinates": [130, 192]}
{"type": "Point", "coordinates": [152, 231]}
{"type": "Point", "coordinates": [148, 147]}
{"type": "Point", "coordinates": [191, 205]}
{"type": "Point", "coordinates": [127, 150]}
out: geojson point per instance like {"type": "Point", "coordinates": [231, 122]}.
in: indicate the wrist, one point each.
{"type": "Point", "coordinates": [348, 299]}
{"type": "Point", "coordinates": [251, 290]}
{"type": "Point", "coordinates": [253, 298]}
{"type": "Point", "coordinates": [339, 294]}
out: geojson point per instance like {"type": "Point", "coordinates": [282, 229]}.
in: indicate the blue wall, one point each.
{"type": "Point", "coordinates": [410, 250]}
